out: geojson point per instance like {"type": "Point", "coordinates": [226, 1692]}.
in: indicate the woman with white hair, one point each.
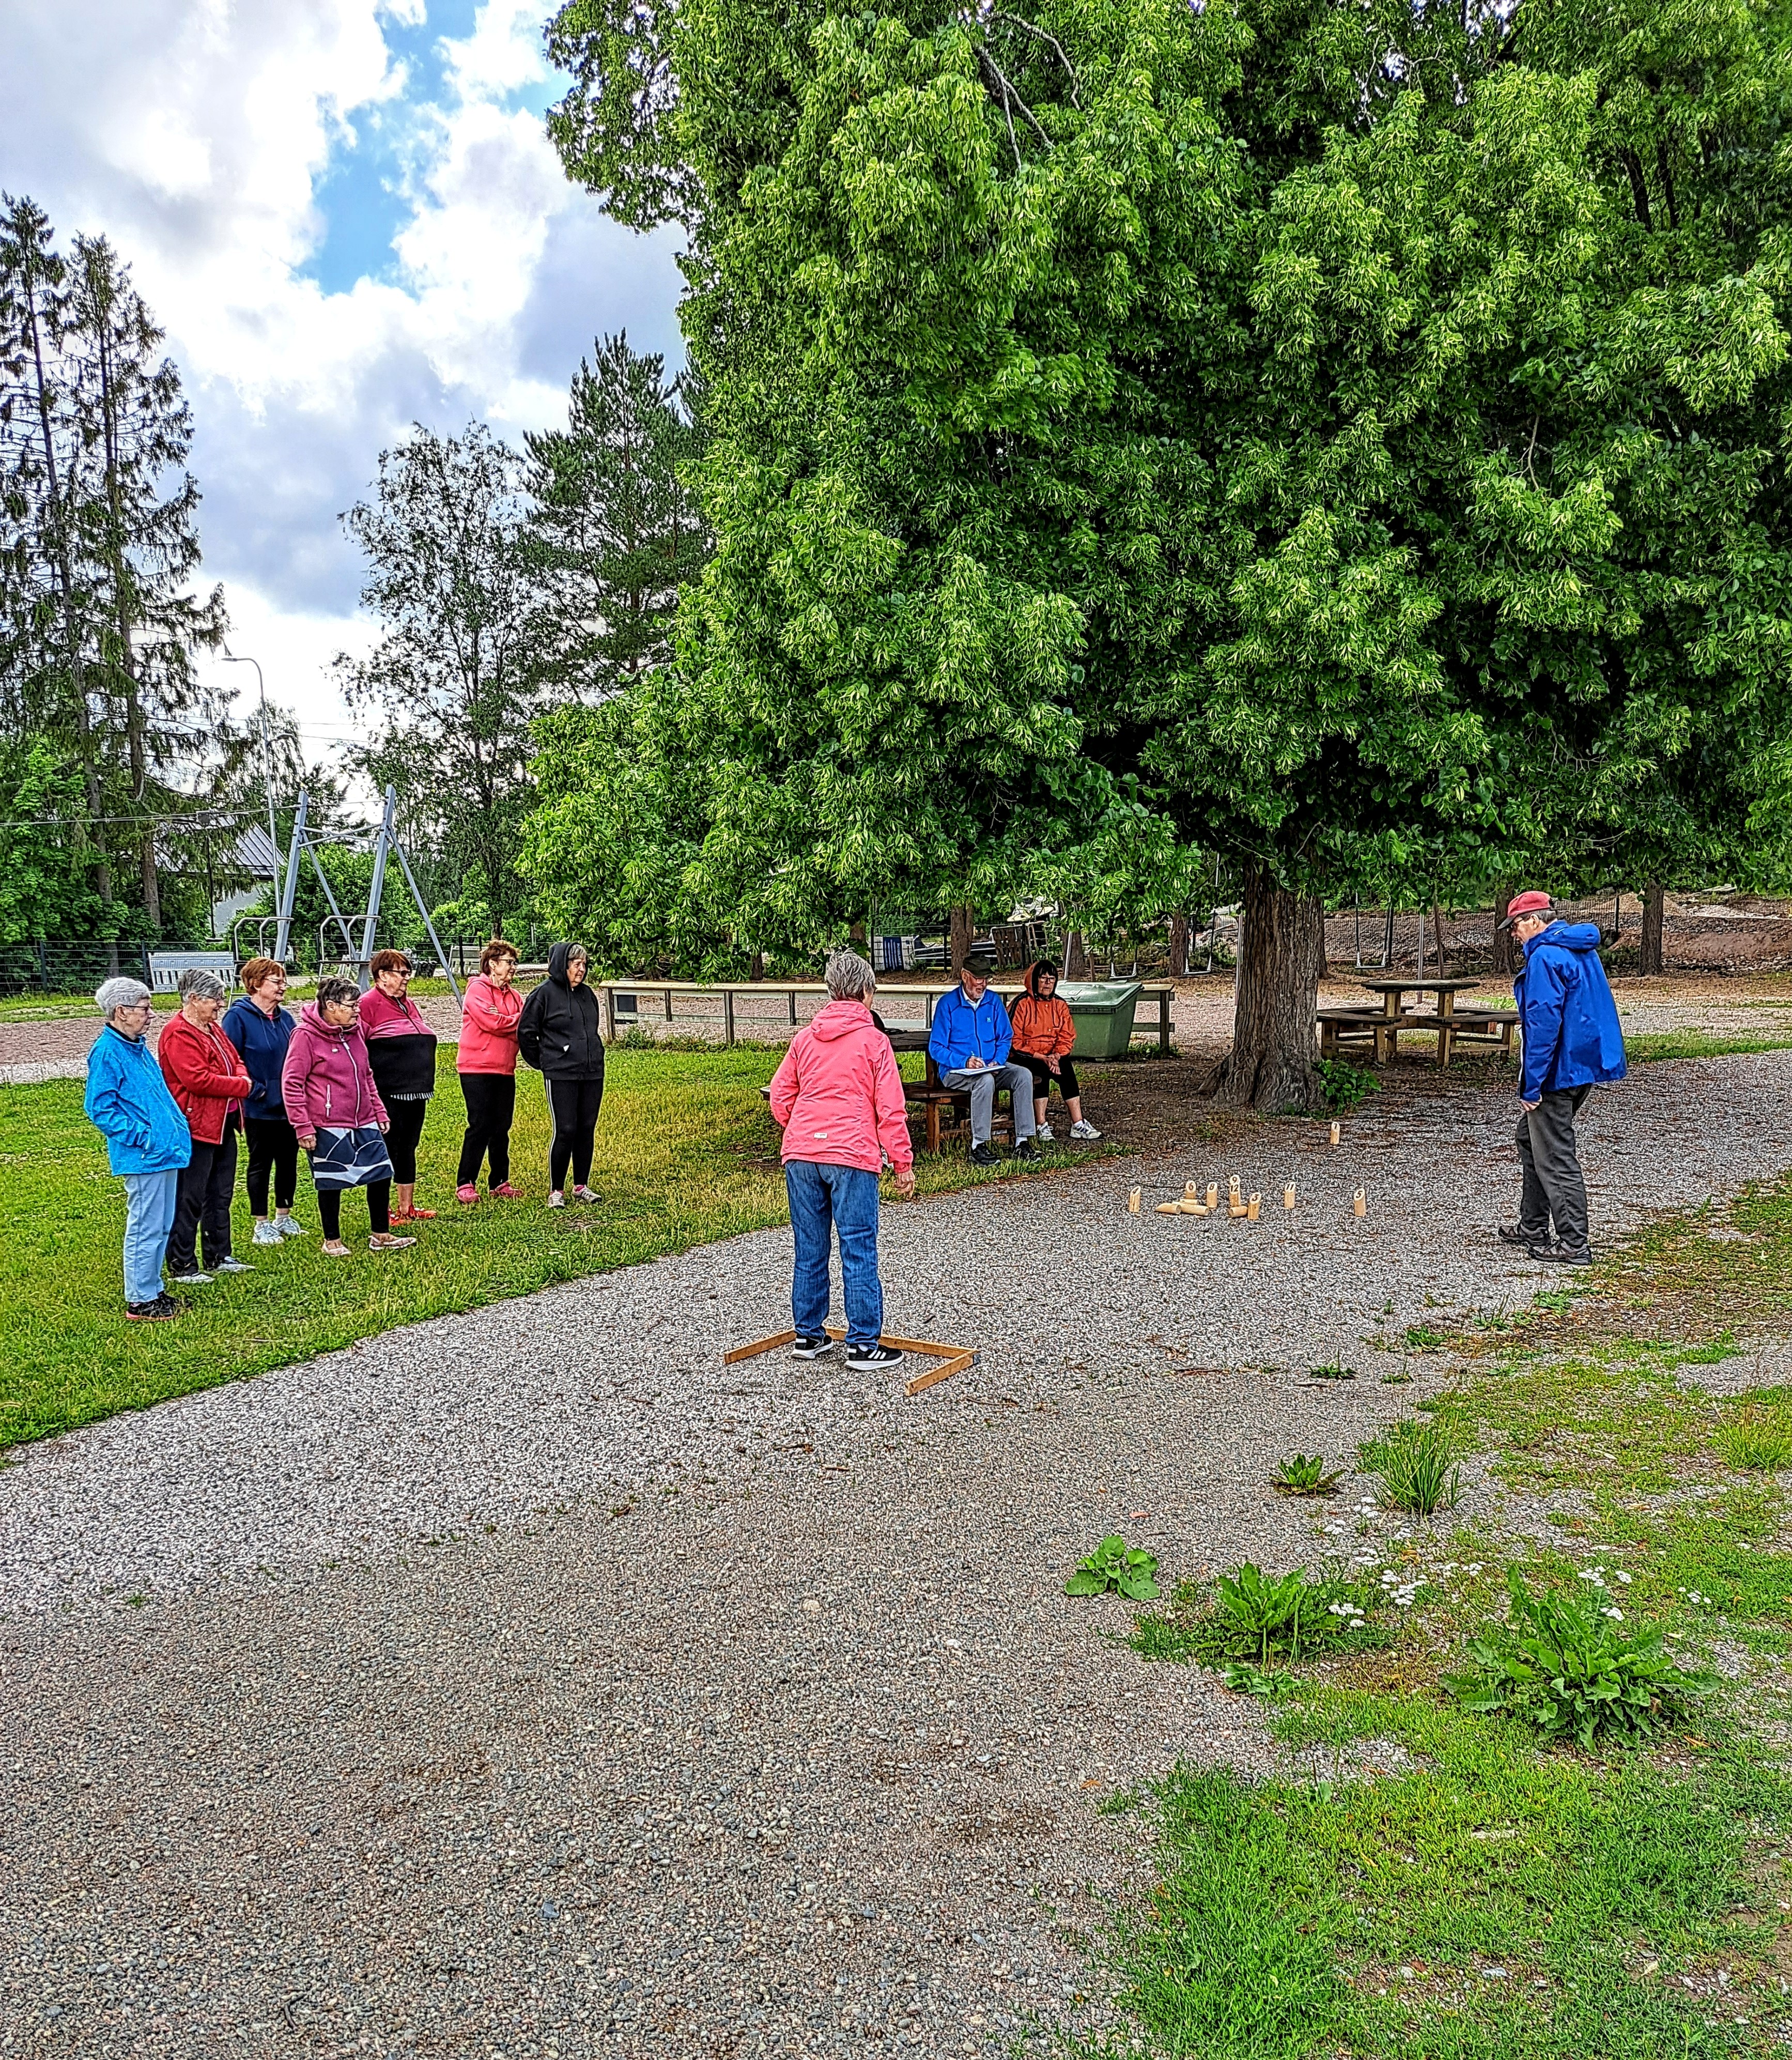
{"type": "Point", "coordinates": [206, 1077]}
{"type": "Point", "coordinates": [146, 1141]}
{"type": "Point", "coordinates": [839, 1096]}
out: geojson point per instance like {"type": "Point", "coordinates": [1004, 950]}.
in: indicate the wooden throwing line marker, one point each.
{"type": "Point", "coordinates": [954, 1359]}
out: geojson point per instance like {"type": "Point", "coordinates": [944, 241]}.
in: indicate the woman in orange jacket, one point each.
{"type": "Point", "coordinates": [1043, 1034]}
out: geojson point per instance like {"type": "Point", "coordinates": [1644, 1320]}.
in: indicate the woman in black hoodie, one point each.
{"type": "Point", "coordinates": [559, 1035]}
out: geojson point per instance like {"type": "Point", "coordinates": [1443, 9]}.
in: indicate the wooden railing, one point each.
{"type": "Point", "coordinates": [894, 1004]}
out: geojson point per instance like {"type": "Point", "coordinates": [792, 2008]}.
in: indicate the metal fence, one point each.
{"type": "Point", "coordinates": [65, 965]}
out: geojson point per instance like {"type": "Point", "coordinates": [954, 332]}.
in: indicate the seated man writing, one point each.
{"type": "Point", "coordinates": [1044, 1031]}
{"type": "Point", "coordinates": [969, 1043]}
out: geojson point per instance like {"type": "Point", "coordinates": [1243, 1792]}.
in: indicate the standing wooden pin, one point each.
{"type": "Point", "coordinates": [1132, 1202]}
{"type": "Point", "coordinates": [1254, 1208]}
{"type": "Point", "coordinates": [1337, 1132]}
{"type": "Point", "coordinates": [1213, 1194]}
{"type": "Point", "coordinates": [1288, 1196]}
{"type": "Point", "coordinates": [1359, 1203]}
{"type": "Point", "coordinates": [1190, 1192]}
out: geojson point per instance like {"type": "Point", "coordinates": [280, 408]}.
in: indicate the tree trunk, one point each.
{"type": "Point", "coordinates": [1655, 907]}
{"type": "Point", "coordinates": [1437, 939]}
{"type": "Point", "coordinates": [963, 930]}
{"type": "Point", "coordinates": [1179, 947]}
{"type": "Point", "coordinates": [1282, 957]}
{"type": "Point", "coordinates": [1076, 960]}
{"type": "Point", "coordinates": [1505, 957]}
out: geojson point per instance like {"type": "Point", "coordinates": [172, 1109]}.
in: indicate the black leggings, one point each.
{"type": "Point", "coordinates": [273, 1147]}
{"type": "Point", "coordinates": [491, 1100]}
{"type": "Point", "coordinates": [379, 1207]}
{"type": "Point", "coordinates": [575, 1105]}
{"type": "Point", "coordinates": [405, 1122]}
{"type": "Point", "coordinates": [1040, 1070]}
{"type": "Point", "coordinates": [202, 1204]}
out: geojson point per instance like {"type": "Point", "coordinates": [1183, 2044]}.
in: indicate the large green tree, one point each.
{"type": "Point", "coordinates": [1361, 428]}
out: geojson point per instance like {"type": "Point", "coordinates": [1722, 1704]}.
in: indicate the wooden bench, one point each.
{"type": "Point", "coordinates": [930, 1099]}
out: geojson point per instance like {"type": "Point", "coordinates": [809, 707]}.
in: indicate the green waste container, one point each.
{"type": "Point", "coordinates": [1102, 1010]}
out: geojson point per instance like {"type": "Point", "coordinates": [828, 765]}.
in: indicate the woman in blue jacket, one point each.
{"type": "Point", "coordinates": [261, 1030]}
{"type": "Point", "coordinates": [147, 1141]}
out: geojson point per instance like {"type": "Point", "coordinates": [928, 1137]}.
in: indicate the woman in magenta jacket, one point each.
{"type": "Point", "coordinates": [838, 1097]}
{"type": "Point", "coordinates": [487, 1065]}
{"type": "Point", "coordinates": [326, 1087]}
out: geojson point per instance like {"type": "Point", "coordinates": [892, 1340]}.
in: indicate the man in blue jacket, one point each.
{"type": "Point", "coordinates": [1572, 1042]}
{"type": "Point", "coordinates": [969, 1043]}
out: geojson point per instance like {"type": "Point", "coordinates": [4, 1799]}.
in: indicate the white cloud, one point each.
{"type": "Point", "coordinates": [208, 140]}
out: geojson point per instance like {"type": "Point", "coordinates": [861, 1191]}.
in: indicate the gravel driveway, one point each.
{"type": "Point", "coordinates": [528, 1684]}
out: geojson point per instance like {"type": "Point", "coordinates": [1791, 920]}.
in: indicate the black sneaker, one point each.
{"type": "Point", "coordinates": [157, 1312]}
{"type": "Point", "coordinates": [982, 1155]}
{"type": "Point", "coordinates": [171, 1305]}
{"type": "Point", "coordinates": [1026, 1149]}
{"type": "Point", "coordinates": [1562, 1255]}
{"type": "Point", "coordinates": [811, 1348]}
{"type": "Point", "coordinates": [858, 1356]}
{"type": "Point", "coordinates": [1517, 1234]}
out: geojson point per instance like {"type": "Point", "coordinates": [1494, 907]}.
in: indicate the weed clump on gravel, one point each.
{"type": "Point", "coordinates": [1115, 1564]}
{"type": "Point", "coordinates": [1250, 1615]}
{"type": "Point", "coordinates": [1304, 1475]}
{"type": "Point", "coordinates": [1756, 1442]}
{"type": "Point", "coordinates": [1417, 1464]}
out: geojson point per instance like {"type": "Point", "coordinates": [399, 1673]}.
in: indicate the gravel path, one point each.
{"type": "Point", "coordinates": [725, 1711]}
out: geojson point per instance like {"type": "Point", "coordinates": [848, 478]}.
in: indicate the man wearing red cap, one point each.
{"type": "Point", "coordinates": [1572, 1042]}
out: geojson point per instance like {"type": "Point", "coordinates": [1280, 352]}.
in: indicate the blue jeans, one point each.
{"type": "Point", "coordinates": [149, 1218]}
{"type": "Point", "coordinates": [846, 1196]}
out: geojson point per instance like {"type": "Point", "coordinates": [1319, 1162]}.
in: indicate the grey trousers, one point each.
{"type": "Point", "coordinates": [982, 1084]}
{"type": "Point", "coordinates": [1553, 1186]}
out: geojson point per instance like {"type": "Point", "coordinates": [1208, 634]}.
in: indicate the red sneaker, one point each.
{"type": "Point", "coordinates": [470, 1194]}
{"type": "Point", "coordinates": [505, 1192]}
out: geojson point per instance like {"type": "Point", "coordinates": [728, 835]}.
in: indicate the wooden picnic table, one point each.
{"type": "Point", "coordinates": [1381, 1026]}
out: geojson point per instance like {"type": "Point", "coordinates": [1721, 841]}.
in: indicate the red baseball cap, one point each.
{"type": "Point", "coordinates": [1531, 903]}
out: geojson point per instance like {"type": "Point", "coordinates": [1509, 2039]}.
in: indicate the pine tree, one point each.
{"type": "Point", "coordinates": [615, 532]}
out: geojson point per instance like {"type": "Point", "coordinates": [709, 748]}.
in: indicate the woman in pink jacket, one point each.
{"type": "Point", "coordinates": [839, 1096]}
{"type": "Point", "coordinates": [487, 1064]}
{"type": "Point", "coordinates": [326, 1087]}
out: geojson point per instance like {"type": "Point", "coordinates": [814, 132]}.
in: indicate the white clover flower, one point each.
{"type": "Point", "coordinates": [1474, 1569]}
{"type": "Point", "coordinates": [1624, 1577]}
{"type": "Point", "coordinates": [1616, 1615]}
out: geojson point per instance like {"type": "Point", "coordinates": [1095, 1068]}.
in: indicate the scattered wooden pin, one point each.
{"type": "Point", "coordinates": [1169, 1208]}
{"type": "Point", "coordinates": [1288, 1196]}
{"type": "Point", "coordinates": [1359, 1203]}
{"type": "Point", "coordinates": [1253, 1207]}
{"type": "Point", "coordinates": [1337, 1132]}
{"type": "Point", "coordinates": [1189, 1208]}
{"type": "Point", "coordinates": [1132, 1202]}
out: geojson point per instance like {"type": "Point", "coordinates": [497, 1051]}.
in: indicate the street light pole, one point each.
{"type": "Point", "coordinates": [267, 756]}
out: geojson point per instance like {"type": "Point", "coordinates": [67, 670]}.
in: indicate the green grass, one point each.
{"type": "Point", "coordinates": [1644, 1048]}
{"type": "Point", "coordinates": [686, 1154]}
{"type": "Point", "coordinates": [1341, 1915]}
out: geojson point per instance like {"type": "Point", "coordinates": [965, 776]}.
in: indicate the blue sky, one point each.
{"type": "Point", "coordinates": [347, 216]}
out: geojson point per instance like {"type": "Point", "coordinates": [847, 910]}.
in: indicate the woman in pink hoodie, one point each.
{"type": "Point", "coordinates": [487, 1064]}
{"type": "Point", "coordinates": [839, 1096]}
{"type": "Point", "coordinates": [326, 1087]}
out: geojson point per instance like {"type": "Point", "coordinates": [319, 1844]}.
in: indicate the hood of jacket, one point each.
{"type": "Point", "coordinates": [1568, 936]}
{"type": "Point", "coordinates": [840, 1019]}
{"type": "Point", "coordinates": [559, 956]}
{"type": "Point", "coordinates": [1031, 984]}
{"type": "Point", "coordinates": [311, 1016]}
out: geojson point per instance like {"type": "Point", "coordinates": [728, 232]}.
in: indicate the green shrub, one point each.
{"type": "Point", "coordinates": [1564, 1664]}
{"type": "Point", "coordinates": [1344, 1085]}
{"type": "Point", "coordinates": [1115, 1564]}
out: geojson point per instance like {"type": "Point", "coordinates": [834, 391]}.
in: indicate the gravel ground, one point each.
{"type": "Point", "coordinates": [722, 1711]}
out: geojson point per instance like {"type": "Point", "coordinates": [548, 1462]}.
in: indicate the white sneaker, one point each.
{"type": "Point", "coordinates": [289, 1227]}
{"type": "Point", "coordinates": [265, 1234]}
{"type": "Point", "coordinates": [1045, 1134]}
{"type": "Point", "coordinates": [556, 1200]}
{"type": "Point", "coordinates": [193, 1280]}
{"type": "Point", "coordinates": [1084, 1130]}
{"type": "Point", "coordinates": [234, 1265]}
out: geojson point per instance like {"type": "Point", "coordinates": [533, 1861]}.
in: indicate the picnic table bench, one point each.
{"type": "Point", "coordinates": [1378, 1025]}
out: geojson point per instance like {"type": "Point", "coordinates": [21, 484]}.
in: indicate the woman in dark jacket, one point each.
{"type": "Point", "coordinates": [558, 1034]}
{"type": "Point", "coordinates": [261, 1030]}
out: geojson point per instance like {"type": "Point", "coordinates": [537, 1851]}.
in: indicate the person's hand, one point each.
{"type": "Point", "coordinates": [307, 1139]}
{"type": "Point", "coordinates": [973, 1064]}
{"type": "Point", "coordinates": [384, 1128]}
{"type": "Point", "coordinates": [1527, 1106]}
{"type": "Point", "coordinates": [905, 1183]}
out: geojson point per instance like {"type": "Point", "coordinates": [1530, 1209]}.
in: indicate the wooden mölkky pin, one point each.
{"type": "Point", "coordinates": [1288, 1196]}
{"type": "Point", "coordinates": [1253, 1207]}
{"type": "Point", "coordinates": [1169, 1208]}
{"type": "Point", "coordinates": [1337, 1132]}
{"type": "Point", "coordinates": [1190, 1192]}
{"type": "Point", "coordinates": [1359, 1203]}
{"type": "Point", "coordinates": [1213, 1194]}
{"type": "Point", "coordinates": [1132, 1202]}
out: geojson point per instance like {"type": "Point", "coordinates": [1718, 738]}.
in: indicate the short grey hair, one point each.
{"type": "Point", "coordinates": [200, 983]}
{"type": "Point", "coordinates": [850, 977]}
{"type": "Point", "coordinates": [121, 992]}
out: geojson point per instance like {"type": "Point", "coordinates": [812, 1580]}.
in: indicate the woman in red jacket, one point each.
{"type": "Point", "coordinates": [208, 1080]}
{"type": "Point", "coordinates": [486, 1062]}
